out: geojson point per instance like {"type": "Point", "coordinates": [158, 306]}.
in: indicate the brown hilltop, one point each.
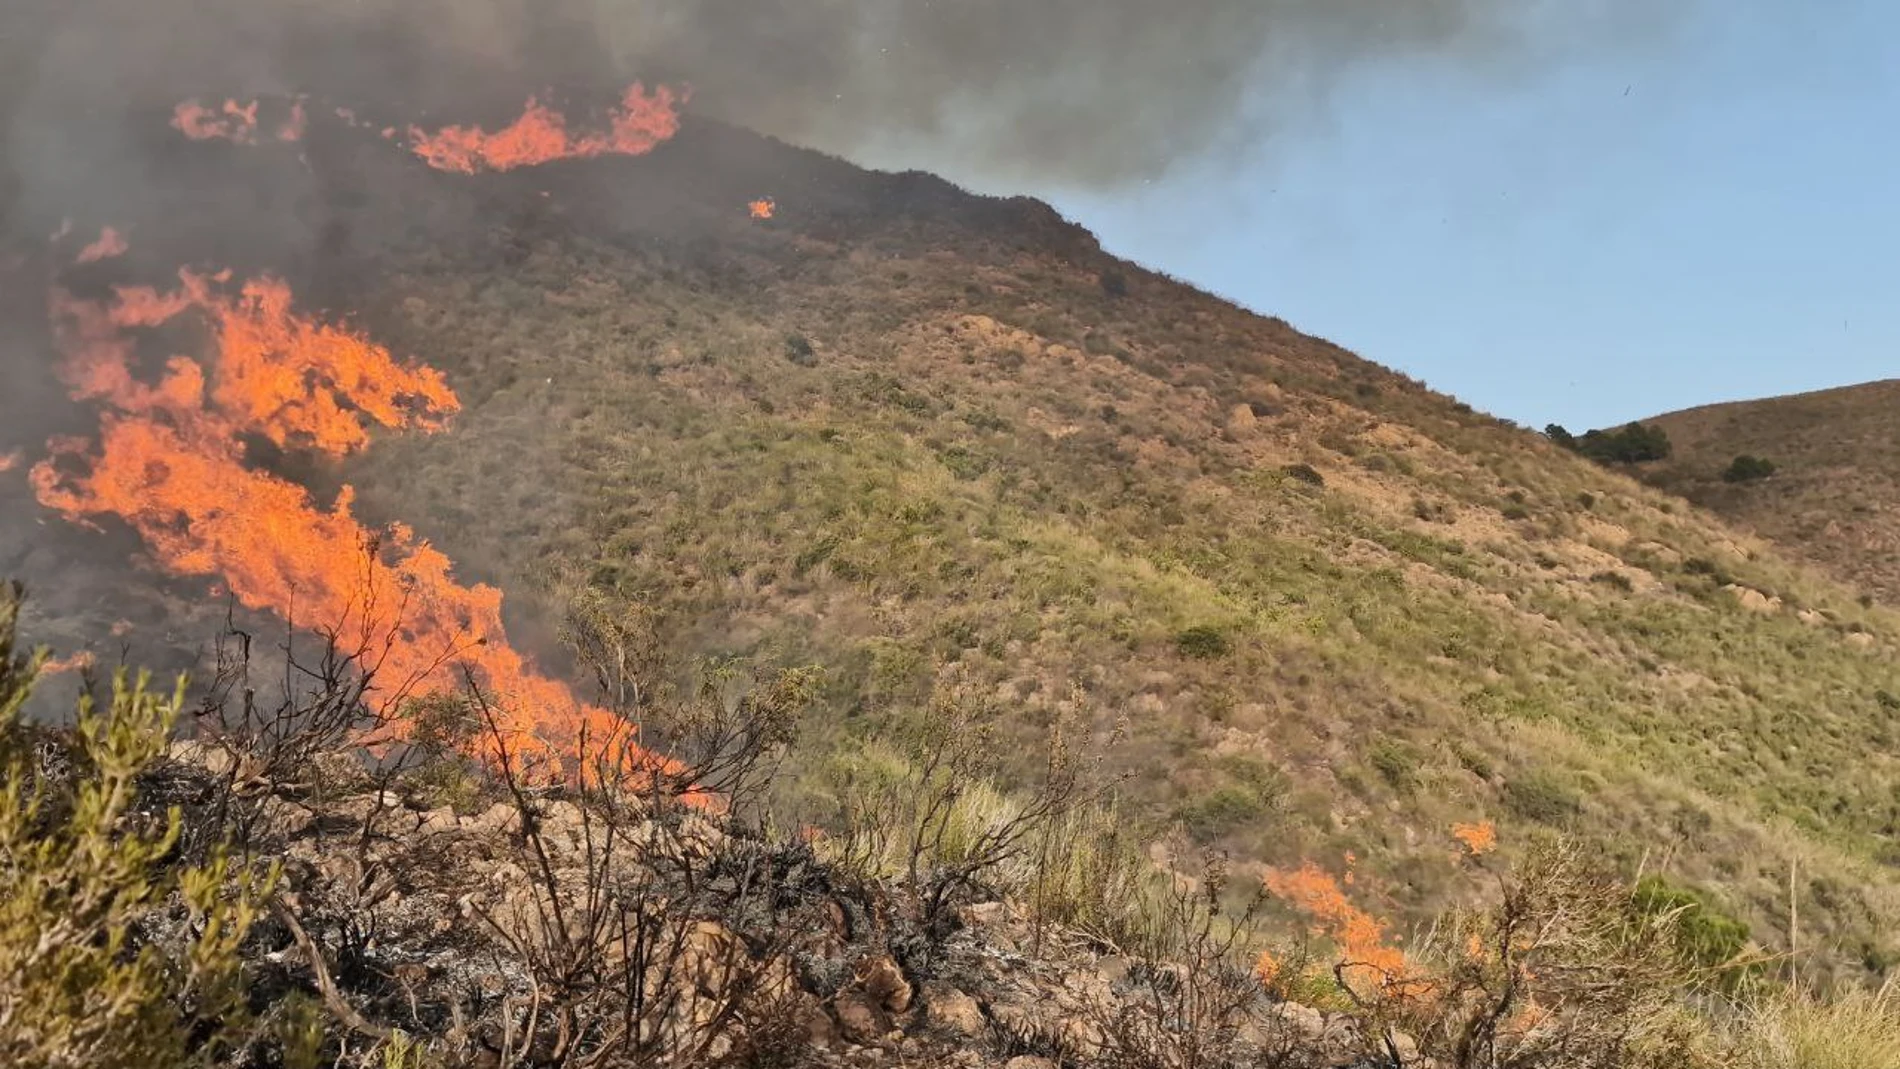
{"type": "Point", "coordinates": [1834, 497]}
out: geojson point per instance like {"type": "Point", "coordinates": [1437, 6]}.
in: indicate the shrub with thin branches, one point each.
{"type": "Point", "coordinates": [83, 872]}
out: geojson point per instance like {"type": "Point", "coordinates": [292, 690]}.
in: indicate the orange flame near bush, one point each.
{"type": "Point", "coordinates": [1478, 839]}
{"type": "Point", "coordinates": [1359, 937]}
{"type": "Point", "coordinates": [169, 463]}
{"type": "Point", "coordinates": [763, 209]}
{"type": "Point", "coordinates": [540, 135]}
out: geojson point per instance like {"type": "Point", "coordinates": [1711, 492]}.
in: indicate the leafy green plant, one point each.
{"type": "Point", "coordinates": [1710, 938]}
{"type": "Point", "coordinates": [1203, 642]}
{"type": "Point", "coordinates": [83, 868]}
{"type": "Point", "coordinates": [1747, 468]}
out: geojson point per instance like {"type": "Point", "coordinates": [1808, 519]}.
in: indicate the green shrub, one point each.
{"type": "Point", "coordinates": [1614, 579]}
{"type": "Point", "coordinates": [1708, 936]}
{"type": "Point", "coordinates": [1634, 443]}
{"type": "Point", "coordinates": [1220, 811]}
{"type": "Point", "coordinates": [1396, 762]}
{"type": "Point", "coordinates": [799, 351]}
{"type": "Point", "coordinates": [1748, 468]}
{"type": "Point", "coordinates": [1540, 797]}
{"type": "Point", "coordinates": [79, 984]}
{"type": "Point", "coordinates": [1305, 473]}
{"type": "Point", "coordinates": [1204, 642]}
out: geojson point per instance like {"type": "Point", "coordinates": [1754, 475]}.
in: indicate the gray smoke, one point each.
{"type": "Point", "coordinates": [1076, 93]}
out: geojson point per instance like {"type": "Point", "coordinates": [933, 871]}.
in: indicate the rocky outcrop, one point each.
{"type": "Point", "coordinates": [506, 930]}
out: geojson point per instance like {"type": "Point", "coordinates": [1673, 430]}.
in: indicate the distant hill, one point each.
{"type": "Point", "coordinates": [1833, 498]}
{"type": "Point", "coordinates": [899, 430]}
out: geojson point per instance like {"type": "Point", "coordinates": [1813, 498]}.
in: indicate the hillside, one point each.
{"type": "Point", "coordinates": [1835, 493]}
{"type": "Point", "coordinates": [901, 432]}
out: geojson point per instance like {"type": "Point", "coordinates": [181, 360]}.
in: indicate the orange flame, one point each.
{"type": "Point", "coordinates": [1479, 839]}
{"type": "Point", "coordinates": [77, 662]}
{"type": "Point", "coordinates": [111, 243]}
{"type": "Point", "coordinates": [763, 208]}
{"type": "Point", "coordinates": [9, 461]}
{"type": "Point", "coordinates": [1360, 937]}
{"type": "Point", "coordinates": [540, 135]}
{"type": "Point", "coordinates": [233, 122]}
{"type": "Point", "coordinates": [170, 464]}
{"type": "Point", "coordinates": [293, 127]}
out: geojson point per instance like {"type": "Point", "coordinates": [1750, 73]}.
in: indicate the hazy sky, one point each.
{"type": "Point", "coordinates": [1713, 218]}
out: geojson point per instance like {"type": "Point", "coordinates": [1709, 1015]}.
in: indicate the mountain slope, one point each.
{"type": "Point", "coordinates": [1834, 498]}
{"type": "Point", "coordinates": [903, 432]}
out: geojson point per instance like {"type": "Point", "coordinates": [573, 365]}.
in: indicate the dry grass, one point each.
{"type": "Point", "coordinates": [1859, 1029]}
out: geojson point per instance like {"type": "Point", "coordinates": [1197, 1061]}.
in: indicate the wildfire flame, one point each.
{"type": "Point", "coordinates": [233, 122]}
{"type": "Point", "coordinates": [642, 121]}
{"type": "Point", "coordinates": [9, 461]}
{"type": "Point", "coordinates": [77, 662]}
{"type": "Point", "coordinates": [763, 208]}
{"type": "Point", "coordinates": [170, 464]}
{"type": "Point", "coordinates": [111, 243]}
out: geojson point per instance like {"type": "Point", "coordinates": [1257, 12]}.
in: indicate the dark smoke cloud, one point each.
{"type": "Point", "coordinates": [1050, 92]}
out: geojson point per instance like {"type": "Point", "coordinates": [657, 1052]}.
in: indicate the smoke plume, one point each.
{"type": "Point", "coordinates": [1078, 93]}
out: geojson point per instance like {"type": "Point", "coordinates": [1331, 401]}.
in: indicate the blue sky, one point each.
{"type": "Point", "coordinates": [1552, 249]}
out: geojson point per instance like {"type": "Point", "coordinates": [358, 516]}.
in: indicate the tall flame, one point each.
{"type": "Point", "coordinates": [642, 121]}
{"type": "Point", "coordinates": [170, 464]}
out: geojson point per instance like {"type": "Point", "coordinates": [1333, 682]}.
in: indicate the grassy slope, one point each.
{"type": "Point", "coordinates": [1833, 500]}
{"type": "Point", "coordinates": [990, 462]}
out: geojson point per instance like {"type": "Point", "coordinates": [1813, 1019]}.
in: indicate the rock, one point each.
{"type": "Point", "coordinates": [984, 914]}
{"type": "Point", "coordinates": [952, 1011]}
{"type": "Point", "coordinates": [1304, 1021]}
{"type": "Point", "coordinates": [857, 1018]}
{"type": "Point", "coordinates": [276, 817]}
{"type": "Point", "coordinates": [438, 821]}
{"type": "Point", "coordinates": [885, 985]}
{"type": "Point", "coordinates": [498, 819]}
{"type": "Point", "coordinates": [1754, 600]}
{"type": "Point", "coordinates": [339, 772]}
{"type": "Point", "coordinates": [820, 1031]}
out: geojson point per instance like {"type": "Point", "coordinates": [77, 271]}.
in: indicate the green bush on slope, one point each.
{"type": "Point", "coordinates": [80, 869]}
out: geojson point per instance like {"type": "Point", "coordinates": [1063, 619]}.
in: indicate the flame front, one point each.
{"type": "Point", "coordinates": [642, 121]}
{"type": "Point", "coordinates": [763, 208]}
{"type": "Point", "coordinates": [170, 464]}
